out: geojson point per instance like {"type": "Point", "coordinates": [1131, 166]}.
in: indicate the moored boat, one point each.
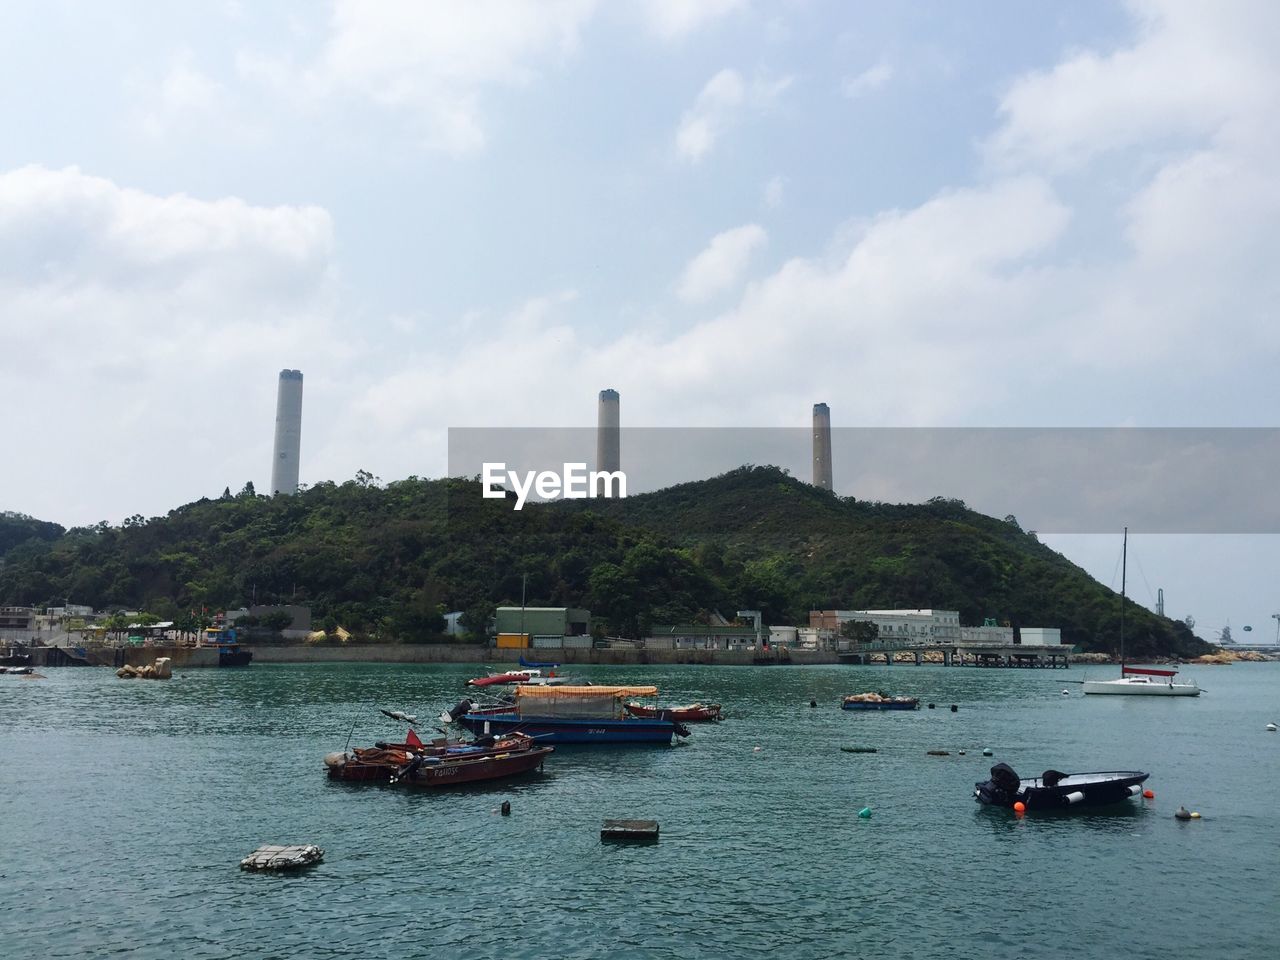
{"type": "Point", "coordinates": [588, 714]}
{"type": "Point", "coordinates": [1143, 681]}
{"type": "Point", "coordinates": [438, 763]}
{"type": "Point", "coordinates": [526, 675]}
{"type": "Point", "coordinates": [692, 713]}
{"type": "Point", "coordinates": [223, 639]}
{"type": "Point", "coordinates": [878, 701]}
{"type": "Point", "coordinates": [1138, 681]}
{"type": "Point", "coordinates": [1054, 790]}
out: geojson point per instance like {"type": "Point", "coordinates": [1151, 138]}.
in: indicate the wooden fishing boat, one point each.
{"type": "Point", "coordinates": [438, 763]}
{"type": "Point", "coordinates": [1054, 790]}
{"type": "Point", "coordinates": [692, 713]}
{"type": "Point", "coordinates": [878, 701]}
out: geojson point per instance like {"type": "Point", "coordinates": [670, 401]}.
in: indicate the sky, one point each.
{"type": "Point", "coordinates": [480, 213]}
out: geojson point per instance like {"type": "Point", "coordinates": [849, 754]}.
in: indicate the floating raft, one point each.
{"type": "Point", "coordinates": [630, 831]}
{"type": "Point", "coordinates": [272, 857]}
{"type": "Point", "coordinates": [858, 749]}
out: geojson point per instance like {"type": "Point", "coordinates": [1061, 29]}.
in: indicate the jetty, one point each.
{"type": "Point", "coordinates": [960, 654]}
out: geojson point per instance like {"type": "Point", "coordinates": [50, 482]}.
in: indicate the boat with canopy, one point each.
{"type": "Point", "coordinates": [573, 714]}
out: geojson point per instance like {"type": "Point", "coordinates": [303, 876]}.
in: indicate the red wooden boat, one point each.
{"type": "Point", "coordinates": [438, 763]}
{"type": "Point", "coordinates": [511, 676]}
{"type": "Point", "coordinates": [692, 713]}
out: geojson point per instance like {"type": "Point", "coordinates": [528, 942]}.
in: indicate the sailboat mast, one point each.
{"type": "Point", "coordinates": [1124, 567]}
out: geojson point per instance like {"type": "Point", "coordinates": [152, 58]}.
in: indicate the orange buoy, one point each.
{"type": "Point", "coordinates": [1148, 794]}
{"type": "Point", "coordinates": [1019, 807]}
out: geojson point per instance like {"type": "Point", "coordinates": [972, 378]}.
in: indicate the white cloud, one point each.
{"type": "Point", "coordinates": [773, 191]}
{"type": "Point", "coordinates": [159, 320]}
{"type": "Point", "coordinates": [718, 107]}
{"type": "Point", "coordinates": [673, 19]}
{"type": "Point", "coordinates": [721, 266]}
{"type": "Point", "coordinates": [434, 61]}
{"type": "Point", "coordinates": [185, 98]}
{"type": "Point", "coordinates": [1195, 71]}
{"type": "Point", "coordinates": [868, 81]}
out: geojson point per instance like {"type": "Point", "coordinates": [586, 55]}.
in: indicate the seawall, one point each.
{"type": "Point", "coordinates": [467, 653]}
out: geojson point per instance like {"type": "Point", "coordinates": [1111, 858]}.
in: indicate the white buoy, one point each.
{"type": "Point", "coordinates": [1066, 693]}
{"type": "Point", "coordinates": [986, 752]}
{"type": "Point", "coordinates": [1271, 727]}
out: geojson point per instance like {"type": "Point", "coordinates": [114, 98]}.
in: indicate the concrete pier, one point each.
{"type": "Point", "coordinates": [962, 654]}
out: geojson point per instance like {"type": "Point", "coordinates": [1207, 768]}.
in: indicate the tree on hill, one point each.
{"type": "Point", "coordinates": [385, 560]}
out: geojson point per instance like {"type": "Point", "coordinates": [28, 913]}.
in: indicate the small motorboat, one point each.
{"type": "Point", "coordinates": [878, 701]}
{"type": "Point", "coordinates": [502, 679]}
{"type": "Point", "coordinates": [1054, 790]}
{"type": "Point", "coordinates": [691, 713]}
{"type": "Point", "coordinates": [441, 762]}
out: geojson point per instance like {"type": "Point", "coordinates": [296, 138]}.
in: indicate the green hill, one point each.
{"type": "Point", "coordinates": [384, 561]}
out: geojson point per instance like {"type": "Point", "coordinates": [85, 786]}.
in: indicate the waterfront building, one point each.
{"type": "Point", "coordinates": [922, 626]}
{"type": "Point", "coordinates": [543, 626]}
{"type": "Point", "coordinates": [701, 636]}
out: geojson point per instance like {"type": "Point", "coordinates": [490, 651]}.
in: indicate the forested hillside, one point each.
{"type": "Point", "coordinates": [386, 560]}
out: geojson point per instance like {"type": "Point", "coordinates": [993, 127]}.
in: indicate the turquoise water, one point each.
{"type": "Point", "coordinates": [128, 805]}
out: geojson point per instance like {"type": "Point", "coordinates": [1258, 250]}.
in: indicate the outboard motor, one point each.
{"type": "Point", "coordinates": [1001, 790]}
{"type": "Point", "coordinates": [408, 770]}
{"type": "Point", "coordinates": [460, 709]}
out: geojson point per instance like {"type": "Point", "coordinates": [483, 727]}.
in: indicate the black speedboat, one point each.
{"type": "Point", "coordinates": [1058, 791]}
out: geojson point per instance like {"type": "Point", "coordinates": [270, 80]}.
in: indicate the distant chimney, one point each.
{"type": "Point", "coordinates": [608, 445]}
{"type": "Point", "coordinates": [822, 446]}
{"type": "Point", "coordinates": [284, 464]}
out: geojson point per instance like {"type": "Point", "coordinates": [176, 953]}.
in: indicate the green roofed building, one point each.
{"type": "Point", "coordinates": [544, 621]}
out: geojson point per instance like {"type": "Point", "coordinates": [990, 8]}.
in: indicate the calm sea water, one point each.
{"type": "Point", "coordinates": [128, 804]}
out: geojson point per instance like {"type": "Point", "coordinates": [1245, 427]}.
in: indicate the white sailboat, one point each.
{"type": "Point", "coordinates": [1139, 681]}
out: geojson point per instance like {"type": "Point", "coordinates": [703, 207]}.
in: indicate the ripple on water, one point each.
{"type": "Point", "coordinates": [129, 805]}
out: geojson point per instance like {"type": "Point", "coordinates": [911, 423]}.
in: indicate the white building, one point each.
{"type": "Point", "coordinates": [988, 633]}
{"type": "Point", "coordinates": [1040, 636]}
{"type": "Point", "coordinates": [920, 626]}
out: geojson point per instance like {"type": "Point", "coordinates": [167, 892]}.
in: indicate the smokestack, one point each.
{"type": "Point", "coordinates": [608, 446]}
{"type": "Point", "coordinates": [822, 446]}
{"type": "Point", "coordinates": [284, 465]}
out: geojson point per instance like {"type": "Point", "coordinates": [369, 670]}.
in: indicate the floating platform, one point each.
{"type": "Point", "coordinates": [272, 857]}
{"type": "Point", "coordinates": [629, 831]}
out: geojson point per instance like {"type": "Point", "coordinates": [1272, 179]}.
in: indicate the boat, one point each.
{"type": "Point", "coordinates": [1054, 790]}
{"type": "Point", "coordinates": [572, 714]}
{"type": "Point", "coordinates": [692, 713]}
{"type": "Point", "coordinates": [230, 653]}
{"type": "Point", "coordinates": [534, 678]}
{"type": "Point", "coordinates": [878, 701]}
{"type": "Point", "coordinates": [536, 665]}
{"type": "Point", "coordinates": [12, 657]}
{"type": "Point", "coordinates": [1138, 681]}
{"type": "Point", "coordinates": [1144, 681]}
{"type": "Point", "coordinates": [438, 763]}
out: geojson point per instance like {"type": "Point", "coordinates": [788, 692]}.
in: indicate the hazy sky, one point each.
{"type": "Point", "coordinates": [480, 213]}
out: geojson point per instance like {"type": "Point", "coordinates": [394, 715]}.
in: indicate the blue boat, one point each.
{"type": "Point", "coordinates": [568, 714]}
{"type": "Point", "coordinates": [534, 664]}
{"type": "Point", "coordinates": [559, 730]}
